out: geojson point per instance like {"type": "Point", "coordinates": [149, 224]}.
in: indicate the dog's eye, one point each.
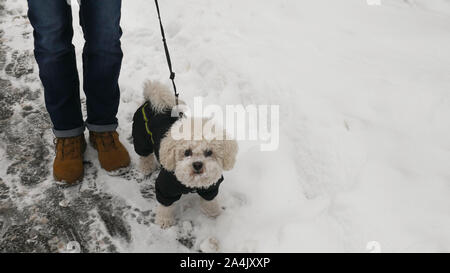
{"type": "Point", "coordinates": [188, 152]}
{"type": "Point", "coordinates": [208, 153]}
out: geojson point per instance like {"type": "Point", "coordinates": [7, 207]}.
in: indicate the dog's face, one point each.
{"type": "Point", "coordinates": [198, 162]}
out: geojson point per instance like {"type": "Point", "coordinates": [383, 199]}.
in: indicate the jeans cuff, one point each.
{"type": "Point", "coordinates": [101, 128]}
{"type": "Point", "coordinates": [69, 133]}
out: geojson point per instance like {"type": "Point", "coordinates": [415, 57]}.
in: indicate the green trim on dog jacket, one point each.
{"type": "Point", "coordinates": [149, 127]}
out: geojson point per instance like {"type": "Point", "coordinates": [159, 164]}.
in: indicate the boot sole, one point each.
{"type": "Point", "coordinates": [62, 182]}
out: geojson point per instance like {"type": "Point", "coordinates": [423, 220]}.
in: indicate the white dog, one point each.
{"type": "Point", "coordinates": [193, 153]}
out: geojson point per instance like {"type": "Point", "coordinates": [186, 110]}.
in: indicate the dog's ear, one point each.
{"type": "Point", "coordinates": [230, 150]}
{"type": "Point", "coordinates": [167, 153]}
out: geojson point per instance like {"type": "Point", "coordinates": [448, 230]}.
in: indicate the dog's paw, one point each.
{"type": "Point", "coordinates": [164, 217]}
{"type": "Point", "coordinates": [211, 208]}
{"type": "Point", "coordinates": [148, 164]}
{"type": "Point", "coordinates": [165, 222]}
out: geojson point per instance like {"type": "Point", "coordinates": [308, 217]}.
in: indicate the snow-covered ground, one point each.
{"type": "Point", "coordinates": [364, 154]}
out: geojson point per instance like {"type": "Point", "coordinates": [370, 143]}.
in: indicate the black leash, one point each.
{"type": "Point", "coordinates": [166, 49]}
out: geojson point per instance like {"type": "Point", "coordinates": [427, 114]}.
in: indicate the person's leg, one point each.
{"type": "Point", "coordinates": [102, 59]}
{"type": "Point", "coordinates": [55, 55]}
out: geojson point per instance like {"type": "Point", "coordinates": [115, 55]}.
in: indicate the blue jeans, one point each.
{"type": "Point", "coordinates": [102, 59]}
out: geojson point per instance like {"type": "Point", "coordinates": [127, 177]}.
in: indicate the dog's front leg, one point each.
{"type": "Point", "coordinates": [165, 216]}
{"type": "Point", "coordinates": [211, 208]}
{"type": "Point", "coordinates": [148, 164]}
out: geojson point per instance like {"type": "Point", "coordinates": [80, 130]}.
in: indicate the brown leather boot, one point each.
{"type": "Point", "coordinates": [68, 164]}
{"type": "Point", "coordinates": [113, 156]}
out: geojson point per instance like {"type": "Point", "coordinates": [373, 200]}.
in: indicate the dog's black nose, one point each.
{"type": "Point", "coordinates": [197, 165]}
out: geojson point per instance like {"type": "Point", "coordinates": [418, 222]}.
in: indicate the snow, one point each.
{"type": "Point", "coordinates": [364, 121]}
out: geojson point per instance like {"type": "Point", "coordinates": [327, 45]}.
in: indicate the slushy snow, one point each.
{"type": "Point", "coordinates": [364, 96]}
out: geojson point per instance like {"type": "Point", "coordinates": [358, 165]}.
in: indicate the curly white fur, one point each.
{"type": "Point", "coordinates": [148, 164]}
{"type": "Point", "coordinates": [172, 156]}
{"type": "Point", "coordinates": [200, 141]}
{"type": "Point", "coordinates": [165, 216]}
{"type": "Point", "coordinates": [159, 94]}
{"type": "Point", "coordinates": [186, 175]}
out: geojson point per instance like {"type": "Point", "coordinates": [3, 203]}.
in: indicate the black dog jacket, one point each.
{"type": "Point", "coordinates": [149, 128]}
{"type": "Point", "coordinates": [169, 189]}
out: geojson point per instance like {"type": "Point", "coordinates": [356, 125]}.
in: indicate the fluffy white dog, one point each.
{"type": "Point", "coordinates": [193, 153]}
